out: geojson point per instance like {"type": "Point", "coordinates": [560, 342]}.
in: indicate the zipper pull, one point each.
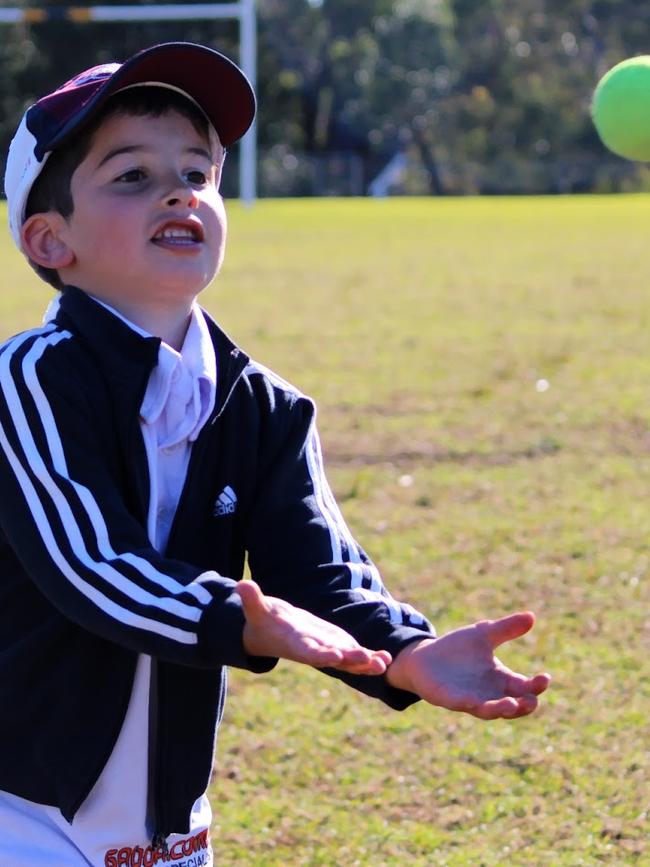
{"type": "Point", "coordinates": [159, 843]}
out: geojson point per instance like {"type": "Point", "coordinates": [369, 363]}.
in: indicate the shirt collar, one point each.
{"type": "Point", "coordinates": [194, 369]}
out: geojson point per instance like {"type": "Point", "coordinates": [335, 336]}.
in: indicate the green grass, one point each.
{"type": "Point", "coordinates": [423, 328]}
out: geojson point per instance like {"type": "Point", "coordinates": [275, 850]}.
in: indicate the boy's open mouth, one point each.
{"type": "Point", "coordinates": [179, 234]}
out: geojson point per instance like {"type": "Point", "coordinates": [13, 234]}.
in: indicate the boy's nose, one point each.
{"type": "Point", "coordinates": [183, 194]}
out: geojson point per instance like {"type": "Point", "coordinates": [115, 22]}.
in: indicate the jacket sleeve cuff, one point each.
{"type": "Point", "coordinates": [378, 687]}
{"type": "Point", "coordinates": [221, 633]}
{"type": "Point", "coordinates": [400, 699]}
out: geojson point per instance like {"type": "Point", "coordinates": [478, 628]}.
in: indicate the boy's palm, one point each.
{"type": "Point", "coordinates": [459, 671]}
{"type": "Point", "coordinates": [274, 627]}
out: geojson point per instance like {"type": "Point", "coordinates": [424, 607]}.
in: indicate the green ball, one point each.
{"type": "Point", "coordinates": [621, 109]}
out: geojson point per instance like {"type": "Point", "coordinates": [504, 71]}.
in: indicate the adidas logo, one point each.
{"type": "Point", "coordinates": [226, 502]}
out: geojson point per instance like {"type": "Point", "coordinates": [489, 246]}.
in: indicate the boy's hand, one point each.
{"type": "Point", "coordinates": [277, 628]}
{"type": "Point", "coordinates": [459, 671]}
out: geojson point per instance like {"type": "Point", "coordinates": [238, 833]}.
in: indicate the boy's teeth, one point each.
{"type": "Point", "coordinates": [175, 233]}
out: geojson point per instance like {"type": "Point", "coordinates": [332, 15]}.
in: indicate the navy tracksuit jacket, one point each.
{"type": "Point", "coordinates": [82, 591]}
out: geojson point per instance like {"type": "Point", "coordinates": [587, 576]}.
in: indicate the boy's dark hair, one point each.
{"type": "Point", "coordinates": [51, 191]}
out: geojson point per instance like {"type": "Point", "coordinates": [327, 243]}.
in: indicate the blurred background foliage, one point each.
{"type": "Point", "coordinates": [440, 97]}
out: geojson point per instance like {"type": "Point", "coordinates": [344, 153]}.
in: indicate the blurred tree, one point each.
{"type": "Point", "coordinates": [480, 95]}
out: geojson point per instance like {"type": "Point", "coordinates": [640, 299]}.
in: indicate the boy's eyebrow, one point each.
{"type": "Point", "coordinates": [128, 149]}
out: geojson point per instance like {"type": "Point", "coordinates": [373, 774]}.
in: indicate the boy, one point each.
{"type": "Point", "coordinates": [142, 457]}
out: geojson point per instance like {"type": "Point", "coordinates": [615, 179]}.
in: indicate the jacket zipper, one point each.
{"type": "Point", "coordinates": [195, 461]}
{"type": "Point", "coordinates": [155, 809]}
{"type": "Point", "coordinates": [159, 843]}
{"type": "Point", "coordinates": [156, 819]}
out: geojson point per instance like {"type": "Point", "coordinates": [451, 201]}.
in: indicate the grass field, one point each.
{"type": "Point", "coordinates": [482, 369]}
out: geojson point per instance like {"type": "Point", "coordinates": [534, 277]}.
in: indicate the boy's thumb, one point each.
{"type": "Point", "coordinates": [251, 597]}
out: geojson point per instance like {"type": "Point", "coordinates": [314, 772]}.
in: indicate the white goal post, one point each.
{"type": "Point", "coordinates": [243, 11]}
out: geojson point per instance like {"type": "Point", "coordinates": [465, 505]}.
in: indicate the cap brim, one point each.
{"type": "Point", "coordinates": [213, 81]}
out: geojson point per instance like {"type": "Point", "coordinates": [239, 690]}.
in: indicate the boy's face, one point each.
{"type": "Point", "coordinates": [148, 226]}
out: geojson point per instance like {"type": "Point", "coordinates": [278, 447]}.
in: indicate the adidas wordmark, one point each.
{"type": "Point", "coordinates": [226, 502]}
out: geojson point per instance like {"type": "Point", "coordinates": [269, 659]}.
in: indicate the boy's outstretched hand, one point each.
{"type": "Point", "coordinates": [277, 628]}
{"type": "Point", "coordinates": [459, 671]}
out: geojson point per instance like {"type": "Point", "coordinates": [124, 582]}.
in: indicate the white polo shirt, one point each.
{"type": "Point", "coordinates": [109, 830]}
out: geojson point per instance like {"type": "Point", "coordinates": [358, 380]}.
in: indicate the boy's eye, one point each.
{"type": "Point", "coordinates": [131, 177]}
{"type": "Point", "coordinates": [195, 176]}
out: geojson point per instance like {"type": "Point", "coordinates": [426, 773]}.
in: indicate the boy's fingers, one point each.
{"type": "Point", "coordinates": [506, 708]}
{"type": "Point", "coordinates": [506, 628]}
{"type": "Point", "coordinates": [319, 655]}
{"type": "Point", "coordinates": [364, 656]}
{"type": "Point", "coordinates": [518, 685]}
{"type": "Point", "coordinates": [351, 662]}
{"type": "Point", "coordinates": [252, 598]}
{"type": "Point", "coordinates": [358, 661]}
{"type": "Point", "coordinates": [385, 656]}
{"type": "Point", "coordinates": [539, 683]}
{"type": "Point", "coordinates": [375, 666]}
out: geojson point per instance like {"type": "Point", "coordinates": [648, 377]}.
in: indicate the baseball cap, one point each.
{"type": "Point", "coordinates": [206, 77]}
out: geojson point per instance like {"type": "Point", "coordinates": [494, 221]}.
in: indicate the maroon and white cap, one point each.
{"type": "Point", "coordinates": [206, 77]}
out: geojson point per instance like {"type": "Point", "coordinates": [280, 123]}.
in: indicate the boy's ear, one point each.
{"type": "Point", "coordinates": [42, 241]}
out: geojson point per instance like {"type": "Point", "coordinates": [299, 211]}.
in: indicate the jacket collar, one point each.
{"type": "Point", "coordinates": [127, 358]}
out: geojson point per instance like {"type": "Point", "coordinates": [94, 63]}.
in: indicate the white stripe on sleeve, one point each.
{"type": "Point", "coordinates": [85, 496]}
{"type": "Point", "coordinates": [123, 615]}
{"type": "Point", "coordinates": [72, 529]}
{"type": "Point", "coordinates": [359, 570]}
{"type": "Point", "coordinates": [338, 530]}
